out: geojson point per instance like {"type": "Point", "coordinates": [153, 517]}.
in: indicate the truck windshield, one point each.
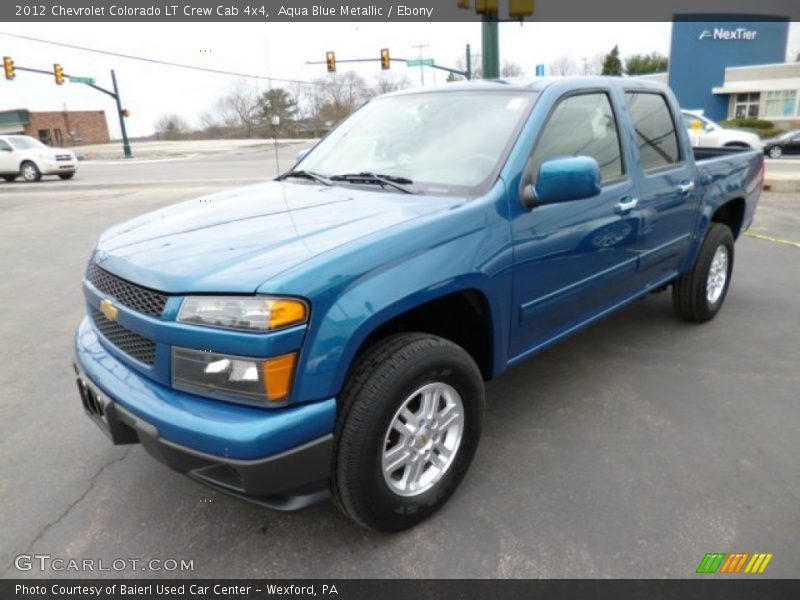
{"type": "Point", "coordinates": [436, 142]}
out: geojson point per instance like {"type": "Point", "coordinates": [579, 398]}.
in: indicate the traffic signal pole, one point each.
{"type": "Point", "coordinates": [490, 40]}
{"type": "Point", "coordinates": [10, 68]}
{"type": "Point", "coordinates": [126, 145]}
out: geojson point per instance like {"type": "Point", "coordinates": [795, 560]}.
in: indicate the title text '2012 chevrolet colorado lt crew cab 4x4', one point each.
{"type": "Point", "coordinates": [330, 331]}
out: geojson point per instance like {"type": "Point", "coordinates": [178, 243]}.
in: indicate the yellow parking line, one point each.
{"type": "Point", "coordinates": [769, 238]}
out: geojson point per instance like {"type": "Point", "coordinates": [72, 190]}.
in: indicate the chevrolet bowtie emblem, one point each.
{"type": "Point", "coordinates": [109, 310]}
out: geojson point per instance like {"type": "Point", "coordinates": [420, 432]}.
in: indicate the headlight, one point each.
{"type": "Point", "coordinates": [227, 377]}
{"type": "Point", "coordinates": [258, 313]}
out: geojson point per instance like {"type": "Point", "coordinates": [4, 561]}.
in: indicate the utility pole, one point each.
{"type": "Point", "coordinates": [126, 145]}
{"type": "Point", "coordinates": [469, 62]}
{"type": "Point", "coordinates": [421, 68]}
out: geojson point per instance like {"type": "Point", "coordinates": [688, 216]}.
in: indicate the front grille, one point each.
{"type": "Point", "coordinates": [130, 343]}
{"type": "Point", "coordinates": [133, 296]}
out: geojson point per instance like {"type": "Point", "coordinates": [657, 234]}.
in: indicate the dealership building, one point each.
{"type": "Point", "coordinates": [734, 66]}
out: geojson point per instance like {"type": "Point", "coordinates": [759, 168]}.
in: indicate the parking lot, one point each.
{"type": "Point", "coordinates": [629, 450]}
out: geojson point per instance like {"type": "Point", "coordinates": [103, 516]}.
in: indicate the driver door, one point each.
{"type": "Point", "coordinates": [7, 159]}
{"type": "Point", "coordinates": [574, 259]}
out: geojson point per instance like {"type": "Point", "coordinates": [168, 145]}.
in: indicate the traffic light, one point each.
{"type": "Point", "coordinates": [385, 60]}
{"type": "Point", "coordinates": [58, 71]}
{"type": "Point", "coordinates": [517, 9]}
{"type": "Point", "coordinates": [8, 66]}
{"type": "Point", "coordinates": [330, 58]}
{"type": "Point", "coordinates": [486, 7]}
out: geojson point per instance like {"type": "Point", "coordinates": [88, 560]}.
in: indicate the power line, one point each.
{"type": "Point", "coordinates": [164, 62]}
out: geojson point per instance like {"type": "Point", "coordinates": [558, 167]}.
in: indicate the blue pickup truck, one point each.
{"type": "Point", "coordinates": [328, 333]}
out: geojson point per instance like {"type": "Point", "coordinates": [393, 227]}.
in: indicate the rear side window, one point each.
{"type": "Point", "coordinates": [655, 130]}
{"type": "Point", "coordinates": [582, 125]}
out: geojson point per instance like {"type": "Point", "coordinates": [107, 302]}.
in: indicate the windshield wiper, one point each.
{"type": "Point", "coordinates": [305, 175]}
{"type": "Point", "coordinates": [394, 181]}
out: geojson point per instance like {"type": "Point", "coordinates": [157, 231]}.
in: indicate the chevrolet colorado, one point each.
{"type": "Point", "coordinates": [330, 332]}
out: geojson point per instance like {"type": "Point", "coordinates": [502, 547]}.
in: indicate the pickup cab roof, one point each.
{"type": "Point", "coordinates": [538, 85]}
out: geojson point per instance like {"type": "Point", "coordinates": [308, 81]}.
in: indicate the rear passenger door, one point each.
{"type": "Point", "coordinates": [668, 198]}
{"type": "Point", "coordinates": [574, 259]}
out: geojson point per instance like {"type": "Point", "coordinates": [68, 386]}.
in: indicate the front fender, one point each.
{"type": "Point", "coordinates": [474, 253]}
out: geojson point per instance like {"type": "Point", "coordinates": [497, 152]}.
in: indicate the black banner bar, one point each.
{"type": "Point", "coordinates": [710, 588]}
{"type": "Point", "coordinates": [399, 11]}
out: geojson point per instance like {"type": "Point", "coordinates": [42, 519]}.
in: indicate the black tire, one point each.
{"type": "Point", "coordinates": [381, 381]}
{"type": "Point", "coordinates": [30, 172]}
{"type": "Point", "coordinates": [66, 175]}
{"type": "Point", "coordinates": [689, 293]}
{"type": "Point", "coordinates": [10, 178]}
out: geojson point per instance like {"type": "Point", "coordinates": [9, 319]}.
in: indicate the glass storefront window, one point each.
{"type": "Point", "coordinates": [747, 105]}
{"type": "Point", "coordinates": [782, 103]}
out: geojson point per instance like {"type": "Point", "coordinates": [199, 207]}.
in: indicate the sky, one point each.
{"type": "Point", "coordinates": [278, 50]}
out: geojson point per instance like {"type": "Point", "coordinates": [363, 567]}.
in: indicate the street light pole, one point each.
{"type": "Point", "coordinates": [126, 145]}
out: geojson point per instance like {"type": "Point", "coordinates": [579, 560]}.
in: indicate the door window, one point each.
{"type": "Point", "coordinates": [582, 125]}
{"type": "Point", "coordinates": [656, 136]}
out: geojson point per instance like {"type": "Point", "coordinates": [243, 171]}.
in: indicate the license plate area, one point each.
{"type": "Point", "coordinates": [102, 411]}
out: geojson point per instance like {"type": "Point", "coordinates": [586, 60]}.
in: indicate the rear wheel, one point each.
{"type": "Point", "coordinates": [9, 178]}
{"type": "Point", "coordinates": [30, 172]}
{"type": "Point", "coordinates": [409, 424]}
{"type": "Point", "coordinates": [698, 295]}
{"type": "Point", "coordinates": [775, 152]}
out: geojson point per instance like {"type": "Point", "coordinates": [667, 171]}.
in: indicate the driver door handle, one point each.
{"type": "Point", "coordinates": [687, 187]}
{"type": "Point", "coordinates": [625, 205]}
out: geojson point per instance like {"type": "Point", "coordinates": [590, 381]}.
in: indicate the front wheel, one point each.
{"type": "Point", "coordinates": [775, 152]}
{"type": "Point", "coordinates": [30, 172]}
{"type": "Point", "coordinates": [409, 423]}
{"type": "Point", "coordinates": [698, 295]}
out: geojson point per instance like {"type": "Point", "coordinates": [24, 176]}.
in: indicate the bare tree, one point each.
{"type": "Point", "coordinates": [171, 126]}
{"type": "Point", "coordinates": [385, 83]}
{"type": "Point", "coordinates": [593, 65]}
{"type": "Point", "coordinates": [238, 110]}
{"type": "Point", "coordinates": [511, 69]}
{"type": "Point", "coordinates": [562, 66]}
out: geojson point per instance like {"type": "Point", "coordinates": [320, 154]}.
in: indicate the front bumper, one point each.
{"type": "Point", "coordinates": [55, 167]}
{"type": "Point", "coordinates": [276, 457]}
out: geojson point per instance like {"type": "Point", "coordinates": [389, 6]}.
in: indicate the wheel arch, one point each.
{"type": "Point", "coordinates": [439, 311]}
{"type": "Point", "coordinates": [730, 213]}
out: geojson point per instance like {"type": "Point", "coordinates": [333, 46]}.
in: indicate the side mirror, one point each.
{"type": "Point", "coordinates": [302, 154]}
{"type": "Point", "coordinates": [562, 180]}
{"type": "Point", "coordinates": [709, 128]}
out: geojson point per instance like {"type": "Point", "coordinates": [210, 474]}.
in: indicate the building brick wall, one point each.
{"type": "Point", "coordinates": [69, 128]}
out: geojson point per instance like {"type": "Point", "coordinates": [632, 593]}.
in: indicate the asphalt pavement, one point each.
{"type": "Point", "coordinates": [629, 450]}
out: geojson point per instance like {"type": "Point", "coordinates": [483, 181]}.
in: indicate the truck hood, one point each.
{"type": "Point", "coordinates": [236, 240]}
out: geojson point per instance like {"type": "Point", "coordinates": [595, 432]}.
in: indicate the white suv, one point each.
{"type": "Point", "coordinates": [712, 135]}
{"type": "Point", "coordinates": [30, 158]}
